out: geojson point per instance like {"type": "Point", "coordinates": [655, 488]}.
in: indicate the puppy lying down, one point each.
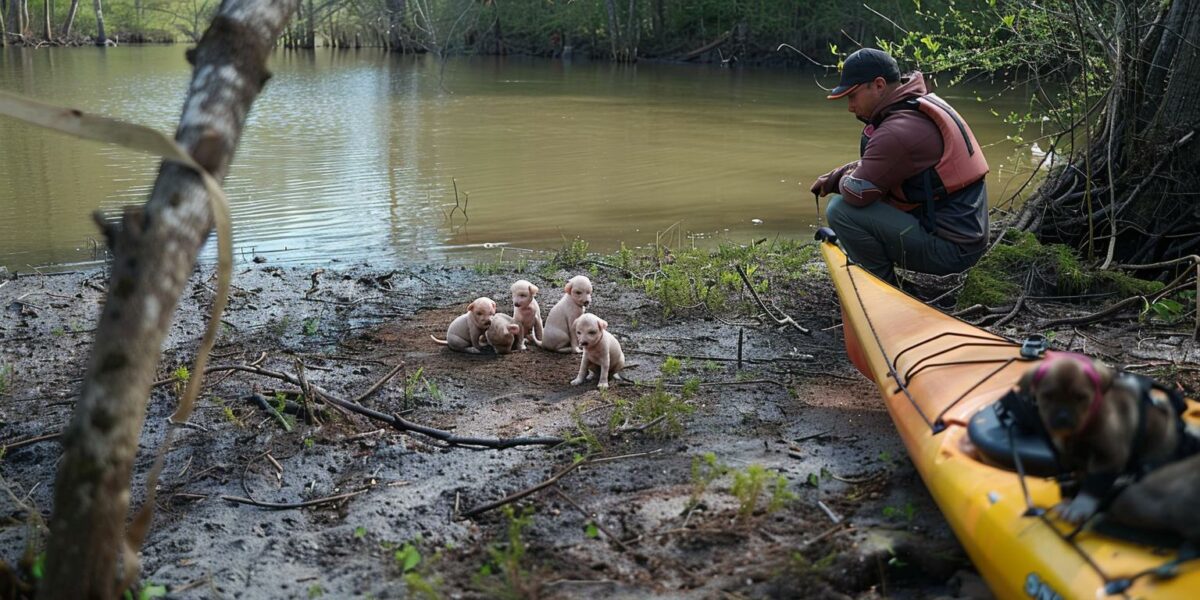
{"type": "Point", "coordinates": [1103, 426]}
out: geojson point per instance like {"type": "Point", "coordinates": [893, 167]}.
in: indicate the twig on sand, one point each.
{"type": "Point", "coordinates": [400, 423]}
{"type": "Point", "coordinates": [592, 517]}
{"type": "Point", "coordinates": [291, 505]}
{"type": "Point", "coordinates": [551, 481]}
{"type": "Point", "coordinates": [527, 491]}
{"type": "Point", "coordinates": [5, 448]}
{"type": "Point", "coordinates": [784, 320]}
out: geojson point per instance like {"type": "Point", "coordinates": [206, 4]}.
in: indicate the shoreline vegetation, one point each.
{"type": "Point", "coordinates": [711, 31]}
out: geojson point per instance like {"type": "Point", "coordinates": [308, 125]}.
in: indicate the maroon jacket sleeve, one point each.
{"type": "Point", "coordinates": [902, 146]}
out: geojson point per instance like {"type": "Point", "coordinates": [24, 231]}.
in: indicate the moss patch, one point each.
{"type": "Point", "coordinates": [1057, 269]}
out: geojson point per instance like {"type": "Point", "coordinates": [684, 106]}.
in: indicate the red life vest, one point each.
{"type": "Point", "coordinates": [961, 165]}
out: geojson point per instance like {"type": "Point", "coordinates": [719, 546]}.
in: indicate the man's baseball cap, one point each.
{"type": "Point", "coordinates": [864, 66]}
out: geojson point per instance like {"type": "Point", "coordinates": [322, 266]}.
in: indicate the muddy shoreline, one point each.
{"type": "Point", "coordinates": [639, 523]}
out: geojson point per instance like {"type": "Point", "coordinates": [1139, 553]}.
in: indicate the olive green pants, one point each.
{"type": "Point", "coordinates": [881, 237]}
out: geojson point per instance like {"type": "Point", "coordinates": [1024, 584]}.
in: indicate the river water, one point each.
{"type": "Point", "coordinates": [355, 155]}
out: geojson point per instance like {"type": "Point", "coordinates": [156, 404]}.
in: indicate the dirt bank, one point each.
{"type": "Point", "coordinates": [639, 518]}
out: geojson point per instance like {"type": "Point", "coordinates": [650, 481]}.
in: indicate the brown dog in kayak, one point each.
{"type": "Point", "coordinates": [1165, 500]}
{"type": "Point", "coordinates": [1093, 418]}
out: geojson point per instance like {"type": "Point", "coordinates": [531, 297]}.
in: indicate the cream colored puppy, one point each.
{"type": "Point", "coordinates": [465, 332]}
{"type": "Point", "coordinates": [560, 333]}
{"type": "Point", "coordinates": [526, 312]}
{"type": "Point", "coordinates": [503, 334]}
{"type": "Point", "coordinates": [601, 350]}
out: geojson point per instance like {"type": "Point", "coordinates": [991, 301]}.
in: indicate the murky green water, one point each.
{"type": "Point", "coordinates": [354, 155]}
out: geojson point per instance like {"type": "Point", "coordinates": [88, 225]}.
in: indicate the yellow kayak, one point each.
{"type": "Point", "coordinates": [953, 373]}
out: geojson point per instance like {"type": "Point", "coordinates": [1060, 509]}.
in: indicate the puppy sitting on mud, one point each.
{"type": "Point", "coordinates": [466, 331]}
{"type": "Point", "coordinates": [601, 351]}
{"type": "Point", "coordinates": [559, 335]}
{"type": "Point", "coordinates": [503, 334]}
{"type": "Point", "coordinates": [1099, 426]}
{"type": "Point", "coordinates": [526, 312]}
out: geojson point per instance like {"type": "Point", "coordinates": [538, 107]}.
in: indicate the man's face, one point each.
{"type": "Point", "coordinates": [864, 98]}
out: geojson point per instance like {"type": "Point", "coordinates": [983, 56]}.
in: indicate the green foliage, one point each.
{"type": "Point", "coordinates": [591, 531]}
{"type": "Point", "coordinates": [997, 278]}
{"type": "Point", "coordinates": [690, 388]}
{"type": "Point", "coordinates": [695, 277]}
{"type": "Point", "coordinates": [664, 409]}
{"type": "Point", "coordinates": [360, 532]}
{"type": "Point", "coordinates": [6, 377]}
{"type": "Point", "coordinates": [315, 591]}
{"type": "Point", "coordinates": [905, 513]}
{"type": "Point", "coordinates": [311, 325]}
{"type": "Point", "coordinates": [407, 558]}
{"type": "Point", "coordinates": [505, 575]}
{"type": "Point", "coordinates": [705, 470]}
{"type": "Point", "coordinates": [147, 591]}
{"type": "Point", "coordinates": [671, 366]}
{"type": "Point", "coordinates": [571, 254]}
{"type": "Point", "coordinates": [750, 484]}
{"type": "Point", "coordinates": [417, 387]}
{"type": "Point", "coordinates": [584, 435]}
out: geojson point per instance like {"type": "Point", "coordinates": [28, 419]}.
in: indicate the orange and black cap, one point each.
{"type": "Point", "coordinates": [864, 66]}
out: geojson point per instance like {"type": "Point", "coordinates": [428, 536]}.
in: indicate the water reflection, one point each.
{"type": "Point", "coordinates": [355, 155]}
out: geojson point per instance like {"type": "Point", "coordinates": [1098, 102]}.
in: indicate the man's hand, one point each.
{"type": "Point", "coordinates": [828, 183]}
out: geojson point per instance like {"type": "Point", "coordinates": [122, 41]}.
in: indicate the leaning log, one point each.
{"type": "Point", "coordinates": [154, 249]}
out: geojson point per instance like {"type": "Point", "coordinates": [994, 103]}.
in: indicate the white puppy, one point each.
{"type": "Point", "coordinates": [526, 312]}
{"type": "Point", "coordinates": [559, 335]}
{"type": "Point", "coordinates": [464, 332]}
{"type": "Point", "coordinates": [503, 334]}
{"type": "Point", "coordinates": [601, 350]}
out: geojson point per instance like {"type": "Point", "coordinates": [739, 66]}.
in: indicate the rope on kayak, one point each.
{"type": "Point", "coordinates": [939, 424]}
{"type": "Point", "coordinates": [879, 343]}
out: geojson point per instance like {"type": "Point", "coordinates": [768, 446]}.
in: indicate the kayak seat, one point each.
{"type": "Point", "coordinates": [989, 432]}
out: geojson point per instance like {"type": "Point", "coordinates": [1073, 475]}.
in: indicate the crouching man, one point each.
{"type": "Point", "coordinates": [916, 197]}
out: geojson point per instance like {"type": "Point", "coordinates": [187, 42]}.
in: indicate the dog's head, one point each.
{"type": "Point", "coordinates": [579, 288]}
{"type": "Point", "coordinates": [1067, 389]}
{"type": "Point", "coordinates": [502, 332]}
{"type": "Point", "coordinates": [523, 293]}
{"type": "Point", "coordinates": [482, 310]}
{"type": "Point", "coordinates": [589, 329]}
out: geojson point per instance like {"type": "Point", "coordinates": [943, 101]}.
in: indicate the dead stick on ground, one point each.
{"type": "Point", "coordinates": [378, 384]}
{"type": "Point", "coordinates": [553, 479]}
{"type": "Point", "coordinates": [526, 492]}
{"type": "Point", "coordinates": [4, 448]}
{"type": "Point", "coordinates": [276, 506]}
{"type": "Point", "coordinates": [592, 518]}
{"type": "Point", "coordinates": [784, 320]}
{"type": "Point", "coordinates": [403, 424]}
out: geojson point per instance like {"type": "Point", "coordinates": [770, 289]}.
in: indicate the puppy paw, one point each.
{"type": "Point", "coordinates": [1078, 510]}
{"type": "Point", "coordinates": [578, 350]}
{"type": "Point", "coordinates": [589, 377]}
{"type": "Point", "coordinates": [603, 385]}
{"type": "Point", "coordinates": [577, 381]}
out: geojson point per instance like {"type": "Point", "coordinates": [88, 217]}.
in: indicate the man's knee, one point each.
{"type": "Point", "coordinates": [837, 211]}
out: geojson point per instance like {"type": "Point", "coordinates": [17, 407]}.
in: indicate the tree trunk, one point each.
{"type": "Point", "coordinates": [614, 27]}
{"type": "Point", "coordinates": [154, 251]}
{"type": "Point", "coordinates": [70, 20]}
{"type": "Point", "coordinates": [100, 39]}
{"type": "Point", "coordinates": [397, 11]}
{"type": "Point", "coordinates": [15, 9]}
{"type": "Point", "coordinates": [310, 26]}
{"type": "Point", "coordinates": [3, 25]}
{"type": "Point", "coordinates": [49, 7]}
{"type": "Point", "coordinates": [1140, 174]}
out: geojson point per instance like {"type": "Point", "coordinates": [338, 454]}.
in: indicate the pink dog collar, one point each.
{"type": "Point", "coordinates": [1089, 369]}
